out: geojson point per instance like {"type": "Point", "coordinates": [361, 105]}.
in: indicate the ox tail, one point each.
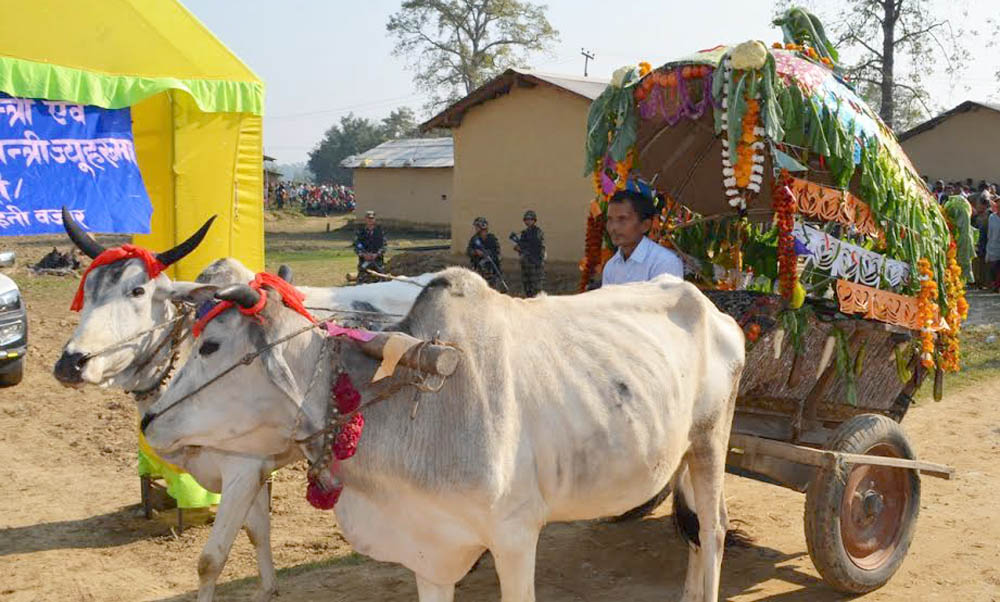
{"type": "Point", "coordinates": [686, 519]}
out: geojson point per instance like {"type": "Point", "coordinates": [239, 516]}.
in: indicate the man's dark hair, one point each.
{"type": "Point", "coordinates": [641, 204]}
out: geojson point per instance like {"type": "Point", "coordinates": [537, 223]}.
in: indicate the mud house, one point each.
{"type": "Point", "coordinates": [957, 144]}
{"type": "Point", "coordinates": [406, 181]}
{"type": "Point", "coordinates": [519, 144]}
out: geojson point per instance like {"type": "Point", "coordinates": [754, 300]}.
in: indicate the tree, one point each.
{"type": "Point", "coordinates": [355, 135]}
{"type": "Point", "coordinates": [457, 45]}
{"type": "Point", "coordinates": [351, 136]}
{"type": "Point", "coordinates": [400, 123]}
{"type": "Point", "coordinates": [899, 43]}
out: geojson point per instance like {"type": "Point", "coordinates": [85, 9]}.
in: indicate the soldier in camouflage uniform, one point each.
{"type": "Point", "coordinates": [484, 253]}
{"type": "Point", "coordinates": [531, 246]}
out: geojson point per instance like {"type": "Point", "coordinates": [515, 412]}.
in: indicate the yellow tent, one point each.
{"type": "Point", "coordinates": [196, 119]}
{"type": "Point", "coordinates": [196, 110]}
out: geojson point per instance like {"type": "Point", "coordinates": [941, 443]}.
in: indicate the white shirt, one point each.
{"type": "Point", "coordinates": [646, 262]}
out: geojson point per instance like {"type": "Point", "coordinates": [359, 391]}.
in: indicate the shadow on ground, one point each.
{"type": "Point", "coordinates": [112, 529]}
{"type": "Point", "coordinates": [599, 562]}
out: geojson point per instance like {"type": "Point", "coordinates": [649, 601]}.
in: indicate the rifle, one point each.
{"type": "Point", "coordinates": [488, 260]}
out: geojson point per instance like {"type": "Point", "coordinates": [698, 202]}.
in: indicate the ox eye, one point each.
{"type": "Point", "coordinates": [138, 291]}
{"type": "Point", "coordinates": [208, 348]}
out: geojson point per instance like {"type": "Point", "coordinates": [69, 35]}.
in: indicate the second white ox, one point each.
{"type": "Point", "coordinates": [124, 339]}
{"type": "Point", "coordinates": [619, 392]}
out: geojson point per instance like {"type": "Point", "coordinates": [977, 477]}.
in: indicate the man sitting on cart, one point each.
{"type": "Point", "coordinates": [630, 216]}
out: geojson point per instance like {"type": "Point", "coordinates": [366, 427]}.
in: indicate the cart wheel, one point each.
{"type": "Point", "coordinates": [859, 524]}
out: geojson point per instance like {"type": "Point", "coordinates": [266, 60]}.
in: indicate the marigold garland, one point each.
{"type": "Point", "coordinates": [784, 214]}
{"type": "Point", "coordinates": [809, 51]}
{"type": "Point", "coordinates": [927, 311]}
{"type": "Point", "coordinates": [743, 166]}
{"type": "Point", "coordinates": [592, 250]}
{"type": "Point", "coordinates": [958, 311]}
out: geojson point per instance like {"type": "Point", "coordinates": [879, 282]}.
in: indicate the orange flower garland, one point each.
{"type": "Point", "coordinates": [927, 311]}
{"type": "Point", "coordinates": [667, 79]}
{"type": "Point", "coordinates": [743, 167]}
{"type": "Point", "coordinates": [958, 311]}
{"type": "Point", "coordinates": [592, 254]}
{"type": "Point", "coordinates": [809, 51]}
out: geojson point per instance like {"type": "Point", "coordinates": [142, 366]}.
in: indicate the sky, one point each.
{"type": "Point", "coordinates": [322, 59]}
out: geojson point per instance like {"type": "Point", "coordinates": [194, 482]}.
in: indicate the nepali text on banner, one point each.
{"type": "Point", "coordinates": [55, 153]}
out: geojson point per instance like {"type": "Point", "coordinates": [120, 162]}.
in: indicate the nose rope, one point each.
{"type": "Point", "coordinates": [127, 341]}
{"type": "Point", "coordinates": [246, 360]}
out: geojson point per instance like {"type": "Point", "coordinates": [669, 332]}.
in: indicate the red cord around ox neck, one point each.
{"type": "Point", "coordinates": [153, 266]}
{"type": "Point", "coordinates": [290, 296]}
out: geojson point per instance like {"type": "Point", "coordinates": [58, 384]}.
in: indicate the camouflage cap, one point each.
{"type": "Point", "coordinates": [530, 214]}
{"type": "Point", "coordinates": [480, 222]}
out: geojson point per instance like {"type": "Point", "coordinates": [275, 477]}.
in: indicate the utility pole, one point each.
{"type": "Point", "coordinates": [587, 57]}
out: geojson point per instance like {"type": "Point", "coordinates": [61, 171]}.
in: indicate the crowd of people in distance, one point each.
{"type": "Point", "coordinates": [985, 205]}
{"type": "Point", "coordinates": [312, 199]}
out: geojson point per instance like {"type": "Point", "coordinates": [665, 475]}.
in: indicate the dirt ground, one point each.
{"type": "Point", "coordinates": [69, 528]}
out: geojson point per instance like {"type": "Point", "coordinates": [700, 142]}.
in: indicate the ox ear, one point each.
{"type": "Point", "coordinates": [277, 368]}
{"type": "Point", "coordinates": [192, 292]}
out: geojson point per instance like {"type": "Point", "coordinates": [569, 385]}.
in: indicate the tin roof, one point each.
{"type": "Point", "coordinates": [407, 152]}
{"type": "Point", "coordinates": [587, 88]}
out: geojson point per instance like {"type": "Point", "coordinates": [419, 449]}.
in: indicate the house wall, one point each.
{"type": "Point", "coordinates": [523, 150]}
{"type": "Point", "coordinates": [962, 146]}
{"type": "Point", "coordinates": [405, 194]}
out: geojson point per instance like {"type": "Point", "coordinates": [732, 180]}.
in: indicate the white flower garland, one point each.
{"type": "Point", "coordinates": [738, 198]}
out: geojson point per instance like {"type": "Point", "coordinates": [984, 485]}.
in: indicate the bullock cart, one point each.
{"type": "Point", "coordinates": [796, 211]}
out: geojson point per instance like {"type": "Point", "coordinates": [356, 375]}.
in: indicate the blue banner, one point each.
{"type": "Point", "coordinates": [58, 153]}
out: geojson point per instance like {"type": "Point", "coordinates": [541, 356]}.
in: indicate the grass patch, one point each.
{"type": "Point", "coordinates": [980, 362]}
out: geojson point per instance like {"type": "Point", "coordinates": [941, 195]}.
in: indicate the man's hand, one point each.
{"type": "Point", "coordinates": [478, 252]}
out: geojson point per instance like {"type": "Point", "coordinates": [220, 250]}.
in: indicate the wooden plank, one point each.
{"type": "Point", "coordinates": [824, 458]}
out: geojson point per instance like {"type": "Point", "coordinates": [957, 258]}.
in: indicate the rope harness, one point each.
{"type": "Point", "coordinates": [333, 420]}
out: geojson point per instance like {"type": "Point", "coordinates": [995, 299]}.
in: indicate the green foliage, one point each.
{"type": "Point", "coordinates": [795, 322]}
{"type": "Point", "coordinates": [454, 46]}
{"type": "Point", "coordinates": [958, 212]}
{"type": "Point", "coordinates": [355, 135]}
{"type": "Point", "coordinates": [800, 26]}
{"type": "Point", "coordinates": [847, 371]}
{"type": "Point", "coordinates": [612, 122]}
{"type": "Point", "coordinates": [914, 227]}
{"type": "Point", "coordinates": [924, 42]}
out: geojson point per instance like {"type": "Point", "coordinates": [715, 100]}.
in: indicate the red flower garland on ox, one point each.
{"type": "Point", "coordinates": [345, 443]}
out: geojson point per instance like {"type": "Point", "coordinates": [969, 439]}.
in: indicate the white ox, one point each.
{"type": "Point", "coordinates": [115, 311]}
{"type": "Point", "coordinates": [562, 408]}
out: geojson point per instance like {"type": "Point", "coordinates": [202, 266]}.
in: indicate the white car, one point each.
{"type": "Point", "coordinates": [13, 327]}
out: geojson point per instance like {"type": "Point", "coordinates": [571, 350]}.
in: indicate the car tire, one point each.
{"type": "Point", "coordinates": [13, 376]}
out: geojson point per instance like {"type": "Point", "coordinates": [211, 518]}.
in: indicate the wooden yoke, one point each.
{"type": "Point", "coordinates": [398, 347]}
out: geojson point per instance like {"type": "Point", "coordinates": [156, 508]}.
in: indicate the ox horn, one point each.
{"type": "Point", "coordinates": [240, 294]}
{"type": "Point", "coordinates": [90, 247]}
{"type": "Point", "coordinates": [180, 251]}
{"type": "Point", "coordinates": [285, 273]}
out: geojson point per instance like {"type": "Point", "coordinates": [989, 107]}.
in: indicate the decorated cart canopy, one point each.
{"type": "Point", "coordinates": [770, 173]}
